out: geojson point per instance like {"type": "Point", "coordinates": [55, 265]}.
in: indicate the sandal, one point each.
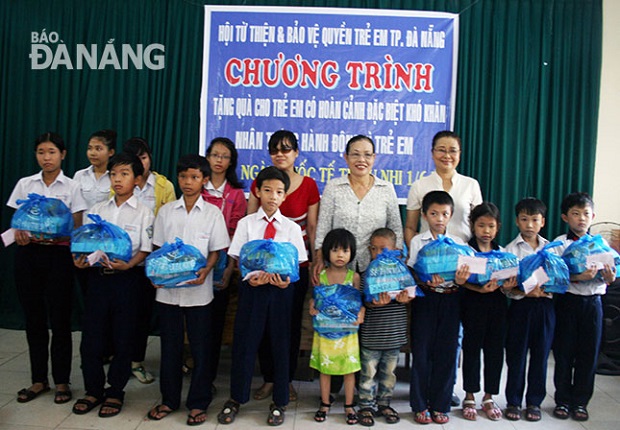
{"type": "Point", "coordinates": [533, 413]}
{"type": "Point", "coordinates": [321, 415]}
{"type": "Point", "coordinates": [350, 417]}
{"type": "Point", "coordinates": [440, 417]}
{"type": "Point", "coordinates": [27, 394]}
{"type": "Point", "coordinates": [115, 408]}
{"type": "Point", "coordinates": [423, 417]}
{"type": "Point", "coordinates": [561, 412]}
{"type": "Point", "coordinates": [197, 419]}
{"type": "Point", "coordinates": [264, 391]}
{"type": "Point", "coordinates": [89, 406]}
{"type": "Point", "coordinates": [159, 412]}
{"type": "Point", "coordinates": [276, 415]}
{"type": "Point", "coordinates": [580, 413]}
{"type": "Point", "coordinates": [389, 413]}
{"type": "Point", "coordinates": [513, 413]}
{"type": "Point", "coordinates": [365, 417]}
{"type": "Point", "coordinates": [62, 396]}
{"type": "Point", "coordinates": [469, 410]}
{"type": "Point", "coordinates": [491, 409]}
{"type": "Point", "coordinates": [228, 413]}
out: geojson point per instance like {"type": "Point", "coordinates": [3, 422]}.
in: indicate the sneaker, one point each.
{"type": "Point", "coordinates": [142, 375]}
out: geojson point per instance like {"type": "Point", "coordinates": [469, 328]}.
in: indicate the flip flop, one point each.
{"type": "Point", "coordinates": [115, 407]}
{"type": "Point", "coordinates": [193, 420]}
{"type": "Point", "coordinates": [159, 413]}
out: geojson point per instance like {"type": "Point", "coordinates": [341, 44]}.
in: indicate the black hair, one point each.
{"type": "Point", "coordinates": [50, 136]}
{"type": "Point", "coordinates": [581, 200]}
{"type": "Point", "coordinates": [193, 161]}
{"type": "Point", "coordinates": [358, 138]}
{"type": "Point", "coordinates": [386, 233]}
{"type": "Point", "coordinates": [231, 172]}
{"type": "Point", "coordinates": [446, 133]}
{"type": "Point", "coordinates": [138, 146]}
{"type": "Point", "coordinates": [283, 136]}
{"type": "Point", "coordinates": [338, 238]}
{"type": "Point", "coordinates": [484, 209]}
{"type": "Point", "coordinates": [108, 137]}
{"type": "Point", "coordinates": [531, 206]}
{"type": "Point", "coordinates": [126, 158]}
{"type": "Point", "coordinates": [437, 198]}
{"type": "Point", "coordinates": [272, 172]}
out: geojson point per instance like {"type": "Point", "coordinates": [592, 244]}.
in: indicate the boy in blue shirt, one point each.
{"type": "Point", "coordinates": [531, 321]}
{"type": "Point", "coordinates": [579, 319]}
{"type": "Point", "coordinates": [264, 300]}
{"type": "Point", "coordinates": [202, 225]}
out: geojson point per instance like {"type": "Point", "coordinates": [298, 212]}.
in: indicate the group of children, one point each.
{"type": "Point", "coordinates": [115, 297]}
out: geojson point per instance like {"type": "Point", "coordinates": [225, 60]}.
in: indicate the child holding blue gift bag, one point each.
{"type": "Point", "coordinates": [202, 225]}
{"type": "Point", "coordinates": [579, 318]}
{"type": "Point", "coordinates": [336, 351]}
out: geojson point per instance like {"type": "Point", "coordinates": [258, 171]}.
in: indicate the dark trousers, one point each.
{"type": "Point", "coordinates": [434, 338]}
{"type": "Point", "coordinates": [44, 282]}
{"type": "Point", "coordinates": [219, 306]}
{"type": "Point", "coordinates": [146, 302]}
{"type": "Point", "coordinates": [531, 323]}
{"type": "Point", "coordinates": [109, 312]}
{"type": "Point", "coordinates": [484, 328]}
{"type": "Point", "coordinates": [266, 308]}
{"type": "Point", "coordinates": [173, 320]}
{"type": "Point", "coordinates": [265, 359]}
{"type": "Point", "coordinates": [579, 321]}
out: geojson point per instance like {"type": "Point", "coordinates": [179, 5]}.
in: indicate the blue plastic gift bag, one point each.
{"type": "Point", "coordinates": [553, 265]}
{"type": "Point", "coordinates": [101, 235]}
{"type": "Point", "coordinates": [174, 263]}
{"type": "Point", "coordinates": [271, 257]}
{"type": "Point", "coordinates": [44, 216]}
{"type": "Point", "coordinates": [440, 257]}
{"type": "Point", "coordinates": [220, 266]}
{"type": "Point", "coordinates": [576, 254]}
{"type": "Point", "coordinates": [498, 264]}
{"type": "Point", "coordinates": [386, 273]}
{"type": "Point", "coordinates": [338, 306]}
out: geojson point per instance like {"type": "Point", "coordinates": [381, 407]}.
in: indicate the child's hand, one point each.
{"type": "Point", "coordinates": [22, 237]}
{"type": "Point", "coordinates": [538, 292]}
{"type": "Point", "coordinates": [462, 274]}
{"type": "Point", "coordinates": [360, 316]}
{"type": "Point", "coordinates": [202, 275]}
{"type": "Point", "coordinates": [312, 310]}
{"type": "Point", "coordinates": [317, 267]}
{"type": "Point", "coordinates": [586, 275]}
{"type": "Point", "coordinates": [260, 278]}
{"type": "Point", "coordinates": [223, 284]}
{"type": "Point", "coordinates": [384, 299]}
{"type": "Point", "coordinates": [435, 281]}
{"type": "Point", "coordinates": [609, 273]}
{"type": "Point", "coordinates": [276, 279]}
{"type": "Point", "coordinates": [490, 286]}
{"type": "Point", "coordinates": [156, 286]}
{"type": "Point", "coordinates": [80, 262]}
{"type": "Point", "coordinates": [510, 283]}
{"type": "Point", "coordinates": [117, 264]}
{"type": "Point", "coordinates": [403, 297]}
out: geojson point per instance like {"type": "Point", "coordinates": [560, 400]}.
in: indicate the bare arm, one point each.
{"type": "Point", "coordinates": [411, 225]}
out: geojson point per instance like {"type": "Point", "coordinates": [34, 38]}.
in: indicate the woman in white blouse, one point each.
{"type": "Point", "coordinates": [359, 202]}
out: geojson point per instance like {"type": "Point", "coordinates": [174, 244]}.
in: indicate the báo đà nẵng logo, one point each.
{"type": "Point", "coordinates": [49, 51]}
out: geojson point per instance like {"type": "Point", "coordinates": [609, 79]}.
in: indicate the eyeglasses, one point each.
{"type": "Point", "coordinates": [358, 155]}
{"type": "Point", "coordinates": [219, 157]}
{"type": "Point", "coordinates": [283, 149]}
{"type": "Point", "coordinates": [450, 152]}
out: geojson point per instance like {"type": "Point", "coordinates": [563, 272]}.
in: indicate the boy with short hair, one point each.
{"type": "Point", "coordinates": [531, 321]}
{"type": "Point", "coordinates": [434, 322]}
{"type": "Point", "coordinates": [579, 319]}
{"type": "Point", "coordinates": [111, 300]}
{"type": "Point", "coordinates": [382, 334]}
{"type": "Point", "coordinates": [264, 300]}
{"type": "Point", "coordinates": [202, 225]}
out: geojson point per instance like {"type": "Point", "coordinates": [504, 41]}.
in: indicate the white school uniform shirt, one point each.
{"type": "Point", "coordinates": [252, 227]}
{"type": "Point", "coordinates": [203, 227]}
{"type": "Point", "coordinates": [419, 241]}
{"type": "Point", "coordinates": [465, 192]}
{"type": "Point", "coordinates": [146, 195]}
{"type": "Point", "coordinates": [63, 188]}
{"type": "Point", "coordinates": [580, 288]}
{"type": "Point", "coordinates": [133, 217]}
{"type": "Point", "coordinates": [93, 190]}
{"type": "Point", "coordinates": [216, 192]}
{"type": "Point", "coordinates": [522, 249]}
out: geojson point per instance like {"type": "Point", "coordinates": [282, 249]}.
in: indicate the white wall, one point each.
{"type": "Point", "coordinates": [607, 169]}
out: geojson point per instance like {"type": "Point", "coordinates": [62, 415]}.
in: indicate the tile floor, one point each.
{"type": "Point", "coordinates": [42, 413]}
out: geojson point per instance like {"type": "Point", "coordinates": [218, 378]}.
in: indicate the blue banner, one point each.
{"type": "Point", "coordinates": [327, 75]}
